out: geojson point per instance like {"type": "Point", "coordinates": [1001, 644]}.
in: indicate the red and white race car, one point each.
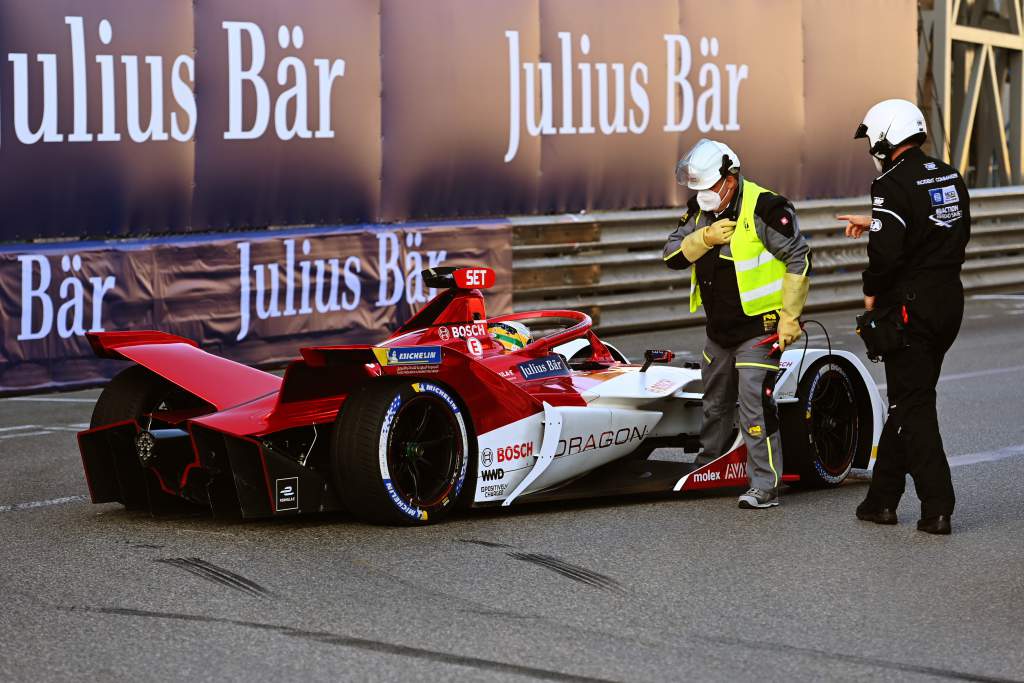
{"type": "Point", "coordinates": [440, 414]}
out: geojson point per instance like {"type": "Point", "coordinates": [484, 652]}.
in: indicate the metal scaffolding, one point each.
{"type": "Point", "coordinates": [971, 73]}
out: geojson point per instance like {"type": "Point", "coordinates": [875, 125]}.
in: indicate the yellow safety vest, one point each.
{"type": "Point", "coordinates": [759, 275]}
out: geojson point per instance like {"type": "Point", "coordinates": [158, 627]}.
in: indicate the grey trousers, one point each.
{"type": "Point", "coordinates": [746, 375]}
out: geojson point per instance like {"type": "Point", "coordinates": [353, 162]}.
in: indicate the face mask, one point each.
{"type": "Point", "coordinates": [708, 200]}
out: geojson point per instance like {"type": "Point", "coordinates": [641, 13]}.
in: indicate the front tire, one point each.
{"type": "Point", "coordinates": [400, 452]}
{"type": "Point", "coordinates": [827, 429]}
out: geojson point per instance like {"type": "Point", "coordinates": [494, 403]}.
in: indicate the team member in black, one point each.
{"type": "Point", "coordinates": [918, 230]}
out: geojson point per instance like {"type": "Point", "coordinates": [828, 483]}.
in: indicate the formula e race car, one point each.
{"type": "Point", "coordinates": [443, 413]}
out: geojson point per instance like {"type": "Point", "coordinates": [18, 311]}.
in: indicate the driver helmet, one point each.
{"type": "Point", "coordinates": [512, 335]}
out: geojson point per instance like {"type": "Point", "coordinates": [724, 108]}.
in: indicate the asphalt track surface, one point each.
{"type": "Point", "coordinates": [622, 589]}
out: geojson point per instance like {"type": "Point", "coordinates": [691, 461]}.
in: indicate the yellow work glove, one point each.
{"type": "Point", "coordinates": [693, 246]}
{"type": "Point", "coordinates": [794, 296]}
{"type": "Point", "coordinates": [719, 232]}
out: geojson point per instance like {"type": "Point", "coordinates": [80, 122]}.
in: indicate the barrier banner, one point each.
{"type": "Point", "coordinates": [289, 128]}
{"type": "Point", "coordinates": [97, 114]}
{"type": "Point", "coordinates": [163, 116]}
{"type": "Point", "coordinates": [252, 297]}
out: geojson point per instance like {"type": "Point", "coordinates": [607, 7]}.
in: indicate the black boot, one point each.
{"type": "Point", "coordinates": [939, 524]}
{"type": "Point", "coordinates": [869, 512]}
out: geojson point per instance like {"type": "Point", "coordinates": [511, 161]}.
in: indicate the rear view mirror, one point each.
{"type": "Point", "coordinates": [652, 356]}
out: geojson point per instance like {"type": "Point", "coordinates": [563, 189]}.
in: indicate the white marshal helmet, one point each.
{"type": "Point", "coordinates": [890, 123]}
{"type": "Point", "coordinates": [705, 164]}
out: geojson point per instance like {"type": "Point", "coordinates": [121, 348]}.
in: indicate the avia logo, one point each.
{"type": "Point", "coordinates": [492, 475]}
{"type": "Point", "coordinates": [707, 476]}
{"type": "Point", "coordinates": [515, 452]}
{"type": "Point", "coordinates": [736, 470]}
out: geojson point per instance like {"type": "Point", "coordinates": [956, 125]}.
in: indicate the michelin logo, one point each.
{"type": "Point", "coordinates": [408, 355]}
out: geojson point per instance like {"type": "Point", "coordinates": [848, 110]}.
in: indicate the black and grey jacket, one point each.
{"type": "Point", "coordinates": [775, 223]}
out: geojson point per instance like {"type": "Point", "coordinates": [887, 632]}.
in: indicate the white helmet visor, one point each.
{"type": "Point", "coordinates": [705, 164]}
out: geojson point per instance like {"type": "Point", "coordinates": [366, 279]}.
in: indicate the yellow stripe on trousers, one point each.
{"type": "Point", "coordinates": [757, 365]}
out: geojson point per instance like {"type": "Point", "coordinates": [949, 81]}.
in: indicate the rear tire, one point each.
{"type": "Point", "coordinates": [400, 452]}
{"type": "Point", "coordinates": [827, 428]}
{"type": "Point", "coordinates": [134, 392]}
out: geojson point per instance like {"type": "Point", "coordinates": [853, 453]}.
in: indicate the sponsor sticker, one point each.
{"type": "Point", "coordinates": [515, 452]}
{"type": "Point", "coordinates": [876, 225]}
{"type": "Point", "coordinates": [941, 196]}
{"type": "Point", "coordinates": [287, 493]}
{"type": "Point", "coordinates": [754, 430]}
{"type": "Point", "coordinates": [542, 368]}
{"type": "Point", "coordinates": [487, 457]}
{"type": "Point", "coordinates": [408, 355]}
{"type": "Point", "coordinates": [736, 470]}
{"type": "Point", "coordinates": [707, 476]}
{"type": "Point", "coordinates": [878, 201]}
{"type": "Point", "coordinates": [590, 442]}
{"type": "Point", "coordinates": [492, 475]}
{"type": "Point", "coordinates": [493, 490]}
{"type": "Point", "coordinates": [474, 347]}
{"type": "Point", "coordinates": [476, 329]}
{"type": "Point", "coordinates": [930, 166]}
{"type": "Point", "coordinates": [660, 386]}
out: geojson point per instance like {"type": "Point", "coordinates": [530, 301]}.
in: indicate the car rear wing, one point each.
{"type": "Point", "coordinates": [220, 382]}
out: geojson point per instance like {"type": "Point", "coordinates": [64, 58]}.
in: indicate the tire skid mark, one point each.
{"type": "Point", "coordinates": [571, 571]}
{"type": "Point", "coordinates": [212, 572]}
{"type": "Point", "coordinates": [486, 544]}
{"type": "Point", "coordinates": [328, 638]}
{"type": "Point", "coordinates": [776, 648]}
{"type": "Point", "coordinates": [31, 505]}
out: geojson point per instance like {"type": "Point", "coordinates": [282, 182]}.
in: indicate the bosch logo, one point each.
{"type": "Point", "coordinates": [492, 475]}
{"type": "Point", "coordinates": [461, 331]}
{"type": "Point", "coordinates": [487, 457]}
{"type": "Point", "coordinates": [516, 452]}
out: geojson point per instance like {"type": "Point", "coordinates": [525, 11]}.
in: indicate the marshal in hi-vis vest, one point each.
{"type": "Point", "coordinates": [758, 273]}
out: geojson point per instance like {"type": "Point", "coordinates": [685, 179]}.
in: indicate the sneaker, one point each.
{"type": "Point", "coordinates": [756, 498]}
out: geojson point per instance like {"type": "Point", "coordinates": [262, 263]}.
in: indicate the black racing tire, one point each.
{"type": "Point", "coordinates": [830, 425]}
{"type": "Point", "coordinates": [400, 452]}
{"type": "Point", "coordinates": [134, 392]}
